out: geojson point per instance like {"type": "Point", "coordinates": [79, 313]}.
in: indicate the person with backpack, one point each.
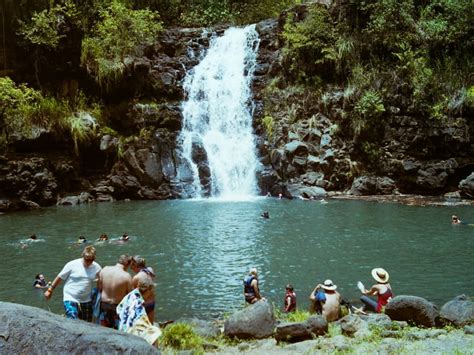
{"type": "Point", "coordinates": [251, 290]}
{"type": "Point", "coordinates": [326, 300]}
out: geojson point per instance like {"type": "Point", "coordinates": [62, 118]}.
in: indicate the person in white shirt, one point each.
{"type": "Point", "coordinates": [79, 276]}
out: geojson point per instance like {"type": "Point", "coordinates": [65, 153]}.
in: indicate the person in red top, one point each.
{"type": "Point", "coordinates": [381, 289]}
{"type": "Point", "coordinates": [290, 299]}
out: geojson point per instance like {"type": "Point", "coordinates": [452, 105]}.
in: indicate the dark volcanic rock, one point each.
{"type": "Point", "coordinates": [295, 332]}
{"type": "Point", "coordinates": [254, 321]}
{"type": "Point", "coordinates": [412, 309]}
{"type": "Point", "coordinates": [459, 311]}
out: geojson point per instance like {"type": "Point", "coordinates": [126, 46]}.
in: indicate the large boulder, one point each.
{"type": "Point", "coordinates": [412, 309]}
{"type": "Point", "coordinates": [297, 191]}
{"type": "Point", "coordinates": [372, 185]}
{"type": "Point", "coordinates": [295, 332]}
{"type": "Point", "coordinates": [29, 330]}
{"type": "Point", "coordinates": [467, 186]}
{"type": "Point", "coordinates": [296, 148]}
{"type": "Point", "coordinates": [459, 311]}
{"type": "Point", "coordinates": [255, 321]}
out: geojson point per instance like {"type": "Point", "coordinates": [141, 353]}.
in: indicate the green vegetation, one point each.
{"type": "Point", "coordinates": [120, 33]}
{"type": "Point", "coordinates": [414, 57]}
{"type": "Point", "coordinates": [181, 336]}
{"type": "Point", "coordinates": [26, 112]}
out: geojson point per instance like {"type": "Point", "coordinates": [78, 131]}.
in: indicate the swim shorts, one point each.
{"type": "Point", "coordinates": [76, 310]}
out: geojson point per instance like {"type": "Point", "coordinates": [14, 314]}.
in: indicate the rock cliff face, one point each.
{"type": "Point", "coordinates": [306, 155]}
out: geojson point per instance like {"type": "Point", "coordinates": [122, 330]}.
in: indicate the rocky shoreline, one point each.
{"type": "Point", "coordinates": [410, 325]}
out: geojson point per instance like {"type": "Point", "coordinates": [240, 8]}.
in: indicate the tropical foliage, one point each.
{"type": "Point", "coordinates": [121, 32]}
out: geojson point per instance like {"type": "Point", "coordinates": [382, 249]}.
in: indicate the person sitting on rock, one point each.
{"type": "Point", "coordinates": [382, 289]}
{"type": "Point", "coordinates": [326, 300]}
{"type": "Point", "coordinates": [251, 289]}
{"type": "Point", "coordinates": [290, 299]}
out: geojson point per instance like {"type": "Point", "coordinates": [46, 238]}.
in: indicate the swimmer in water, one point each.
{"type": "Point", "coordinates": [103, 238]}
{"type": "Point", "coordinates": [455, 220]}
{"type": "Point", "coordinates": [81, 240]}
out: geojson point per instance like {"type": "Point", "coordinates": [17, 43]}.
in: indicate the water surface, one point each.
{"type": "Point", "coordinates": [201, 250]}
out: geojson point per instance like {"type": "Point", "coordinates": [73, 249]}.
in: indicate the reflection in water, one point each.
{"type": "Point", "coordinates": [201, 250]}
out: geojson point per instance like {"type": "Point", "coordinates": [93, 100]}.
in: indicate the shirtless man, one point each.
{"type": "Point", "coordinates": [138, 266]}
{"type": "Point", "coordinates": [331, 305]}
{"type": "Point", "coordinates": [114, 284]}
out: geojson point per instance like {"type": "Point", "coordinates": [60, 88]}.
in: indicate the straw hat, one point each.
{"type": "Point", "coordinates": [328, 285]}
{"type": "Point", "coordinates": [380, 275]}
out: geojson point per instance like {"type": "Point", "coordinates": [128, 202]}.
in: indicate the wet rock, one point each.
{"type": "Point", "coordinates": [29, 330]}
{"type": "Point", "coordinates": [254, 321]}
{"type": "Point", "coordinates": [298, 190]}
{"type": "Point", "coordinates": [352, 324]}
{"type": "Point", "coordinates": [459, 311]}
{"type": "Point", "coordinates": [296, 148]}
{"type": "Point", "coordinates": [467, 186]}
{"type": "Point", "coordinates": [266, 179]}
{"type": "Point", "coordinates": [412, 309]}
{"type": "Point", "coordinates": [296, 332]}
{"type": "Point", "coordinates": [68, 201]}
{"type": "Point", "coordinates": [372, 185]}
{"type": "Point", "coordinates": [469, 329]}
{"type": "Point", "coordinates": [108, 143]}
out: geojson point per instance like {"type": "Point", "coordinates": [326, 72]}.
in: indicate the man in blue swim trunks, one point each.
{"type": "Point", "coordinates": [79, 276]}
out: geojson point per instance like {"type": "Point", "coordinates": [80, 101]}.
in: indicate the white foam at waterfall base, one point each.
{"type": "Point", "coordinates": [217, 115]}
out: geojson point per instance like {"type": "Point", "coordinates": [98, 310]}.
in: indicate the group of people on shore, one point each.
{"type": "Point", "coordinates": [122, 301]}
{"type": "Point", "coordinates": [325, 300]}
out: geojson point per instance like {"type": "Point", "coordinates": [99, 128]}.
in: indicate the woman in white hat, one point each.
{"type": "Point", "coordinates": [382, 289]}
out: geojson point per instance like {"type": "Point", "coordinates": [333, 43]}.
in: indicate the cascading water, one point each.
{"type": "Point", "coordinates": [217, 140]}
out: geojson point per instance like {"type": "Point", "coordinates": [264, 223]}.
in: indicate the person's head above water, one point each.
{"type": "Point", "coordinates": [33, 237]}
{"type": "Point", "coordinates": [455, 219]}
{"type": "Point", "coordinates": [265, 214]}
{"type": "Point", "coordinates": [124, 237]}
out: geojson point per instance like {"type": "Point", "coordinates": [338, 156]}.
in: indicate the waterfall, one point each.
{"type": "Point", "coordinates": [217, 141]}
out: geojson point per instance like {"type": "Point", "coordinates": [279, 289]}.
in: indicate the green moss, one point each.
{"type": "Point", "coordinates": [181, 336]}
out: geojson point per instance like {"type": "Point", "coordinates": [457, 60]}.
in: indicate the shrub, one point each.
{"type": "Point", "coordinates": [390, 22]}
{"type": "Point", "coordinates": [43, 29]}
{"type": "Point", "coordinates": [308, 43]}
{"type": "Point", "coordinates": [26, 109]}
{"type": "Point", "coordinates": [370, 105]}
{"type": "Point", "coordinates": [181, 336]}
{"type": "Point", "coordinates": [444, 24]}
{"type": "Point", "coordinates": [269, 125]}
{"type": "Point", "coordinates": [119, 34]}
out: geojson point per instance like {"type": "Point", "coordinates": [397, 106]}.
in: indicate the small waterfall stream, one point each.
{"type": "Point", "coordinates": [217, 140]}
